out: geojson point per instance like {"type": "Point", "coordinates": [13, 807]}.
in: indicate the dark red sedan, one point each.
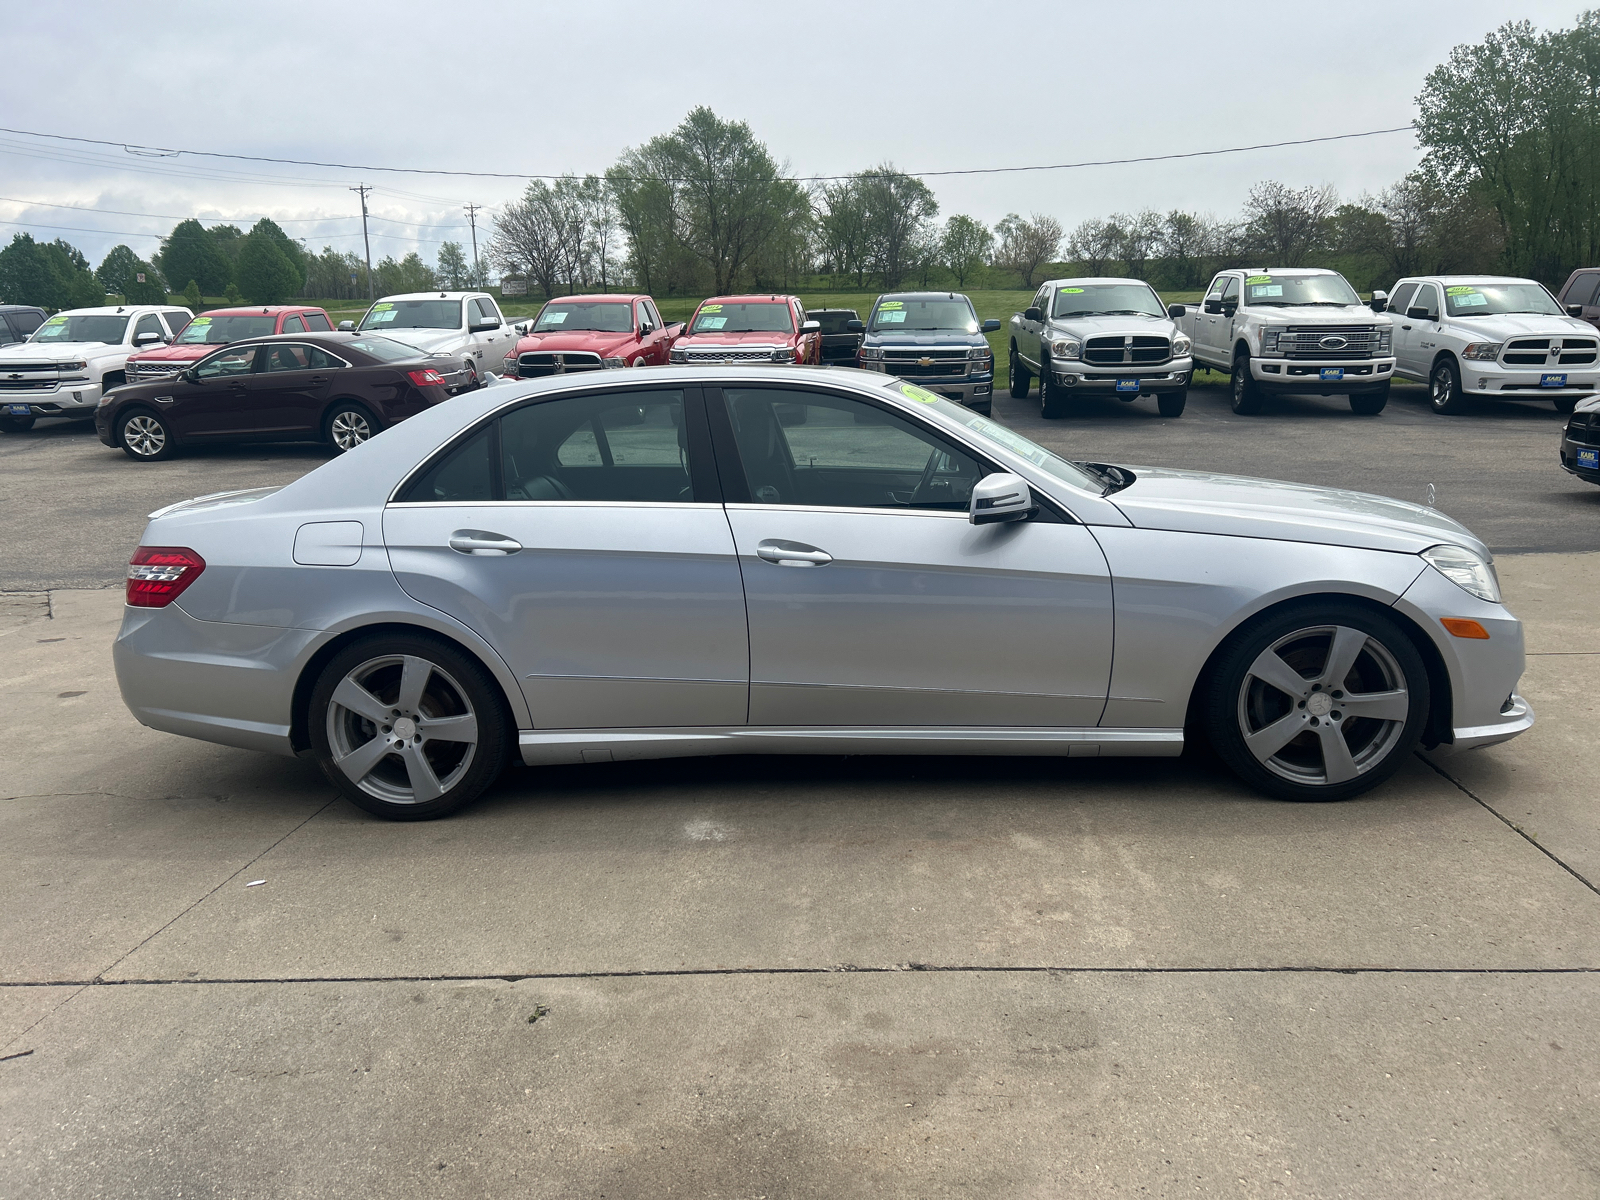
{"type": "Point", "coordinates": [338, 388]}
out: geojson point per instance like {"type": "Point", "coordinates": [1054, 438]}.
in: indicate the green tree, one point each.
{"type": "Point", "coordinates": [410, 274]}
{"type": "Point", "coordinates": [191, 294]}
{"type": "Point", "coordinates": [898, 210]}
{"type": "Point", "coordinates": [453, 268]}
{"type": "Point", "coordinates": [266, 276]}
{"type": "Point", "coordinates": [289, 248]}
{"type": "Point", "coordinates": [232, 295]}
{"type": "Point", "coordinates": [965, 246]}
{"type": "Point", "coordinates": [120, 271]}
{"type": "Point", "coordinates": [52, 275]}
{"type": "Point", "coordinates": [230, 240]}
{"type": "Point", "coordinates": [188, 252]}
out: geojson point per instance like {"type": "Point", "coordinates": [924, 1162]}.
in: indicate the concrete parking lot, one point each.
{"type": "Point", "coordinates": [804, 977]}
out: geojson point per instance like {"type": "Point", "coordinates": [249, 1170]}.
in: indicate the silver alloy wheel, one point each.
{"type": "Point", "coordinates": [1323, 705]}
{"type": "Point", "coordinates": [402, 729]}
{"type": "Point", "coordinates": [144, 435]}
{"type": "Point", "coordinates": [1444, 386]}
{"type": "Point", "coordinates": [349, 429]}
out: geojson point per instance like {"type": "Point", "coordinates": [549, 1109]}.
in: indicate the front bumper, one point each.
{"type": "Point", "coordinates": [974, 390]}
{"type": "Point", "coordinates": [1170, 376]}
{"type": "Point", "coordinates": [77, 400]}
{"type": "Point", "coordinates": [1525, 383]}
{"type": "Point", "coordinates": [1570, 461]}
{"type": "Point", "coordinates": [1306, 376]}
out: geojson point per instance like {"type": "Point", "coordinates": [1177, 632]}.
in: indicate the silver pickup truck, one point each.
{"type": "Point", "coordinates": [1099, 337]}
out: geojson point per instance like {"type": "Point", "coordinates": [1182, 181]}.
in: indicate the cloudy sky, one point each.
{"type": "Point", "coordinates": [540, 88]}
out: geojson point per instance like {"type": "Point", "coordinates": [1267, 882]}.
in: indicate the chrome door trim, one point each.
{"type": "Point", "coordinates": [876, 511]}
{"type": "Point", "coordinates": [544, 747]}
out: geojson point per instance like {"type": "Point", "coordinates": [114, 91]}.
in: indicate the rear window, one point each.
{"type": "Point", "coordinates": [833, 322]}
{"type": "Point", "coordinates": [317, 323]}
{"type": "Point", "coordinates": [385, 349]}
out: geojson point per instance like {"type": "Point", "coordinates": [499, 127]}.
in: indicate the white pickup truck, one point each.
{"type": "Point", "coordinates": [1484, 335]}
{"type": "Point", "coordinates": [74, 357]}
{"type": "Point", "coordinates": [1292, 330]}
{"type": "Point", "coordinates": [449, 324]}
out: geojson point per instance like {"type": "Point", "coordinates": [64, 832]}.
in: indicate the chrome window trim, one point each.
{"type": "Point", "coordinates": [688, 504]}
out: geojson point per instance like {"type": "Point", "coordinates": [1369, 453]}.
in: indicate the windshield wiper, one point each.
{"type": "Point", "coordinates": [1115, 478]}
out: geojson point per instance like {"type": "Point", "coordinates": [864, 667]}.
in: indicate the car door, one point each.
{"type": "Point", "coordinates": [1031, 343]}
{"type": "Point", "coordinates": [291, 388]}
{"type": "Point", "coordinates": [1207, 324]}
{"type": "Point", "coordinates": [871, 598]}
{"type": "Point", "coordinates": [492, 345]}
{"type": "Point", "coordinates": [1422, 333]}
{"type": "Point", "coordinates": [1582, 290]}
{"type": "Point", "coordinates": [217, 403]}
{"type": "Point", "coordinates": [583, 536]}
{"type": "Point", "coordinates": [659, 342]}
{"type": "Point", "coordinates": [1405, 350]}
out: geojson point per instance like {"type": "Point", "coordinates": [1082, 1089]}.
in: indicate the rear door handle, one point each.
{"type": "Point", "coordinates": [792, 554]}
{"type": "Point", "coordinates": [480, 541]}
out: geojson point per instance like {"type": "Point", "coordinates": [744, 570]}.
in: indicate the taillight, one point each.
{"type": "Point", "coordinates": [157, 575]}
{"type": "Point", "coordinates": [427, 377]}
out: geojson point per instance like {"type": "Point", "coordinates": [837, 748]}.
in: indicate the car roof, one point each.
{"type": "Point", "coordinates": [259, 310]}
{"type": "Point", "coordinates": [436, 295]}
{"type": "Point", "coordinates": [1277, 271]}
{"type": "Point", "coordinates": [1094, 279]}
{"type": "Point", "coordinates": [938, 295]}
{"type": "Point", "coordinates": [332, 339]}
{"type": "Point", "coordinates": [599, 298]}
{"type": "Point", "coordinates": [113, 310]}
{"type": "Point", "coordinates": [761, 298]}
{"type": "Point", "coordinates": [20, 308]}
{"type": "Point", "coordinates": [1455, 279]}
{"type": "Point", "coordinates": [829, 310]}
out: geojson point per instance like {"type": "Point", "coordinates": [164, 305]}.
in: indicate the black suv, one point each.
{"type": "Point", "coordinates": [17, 322]}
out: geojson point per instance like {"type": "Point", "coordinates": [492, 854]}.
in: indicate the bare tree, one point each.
{"type": "Point", "coordinates": [528, 238]}
{"type": "Point", "coordinates": [1094, 245]}
{"type": "Point", "coordinates": [1141, 234]}
{"type": "Point", "coordinates": [1026, 245]}
{"type": "Point", "coordinates": [1288, 225]}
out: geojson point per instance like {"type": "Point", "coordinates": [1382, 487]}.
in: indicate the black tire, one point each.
{"type": "Point", "coordinates": [1054, 402]}
{"type": "Point", "coordinates": [349, 424]}
{"type": "Point", "coordinates": [1240, 706]}
{"type": "Point", "coordinates": [421, 777]}
{"type": "Point", "coordinates": [1565, 404]}
{"type": "Point", "coordinates": [1171, 404]}
{"type": "Point", "coordinates": [1245, 394]}
{"type": "Point", "coordinates": [16, 424]}
{"type": "Point", "coordinates": [1369, 404]}
{"type": "Point", "coordinates": [1444, 388]}
{"type": "Point", "coordinates": [1019, 375]}
{"type": "Point", "coordinates": [145, 436]}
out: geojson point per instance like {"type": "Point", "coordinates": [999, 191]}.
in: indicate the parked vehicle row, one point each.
{"type": "Point", "coordinates": [218, 327]}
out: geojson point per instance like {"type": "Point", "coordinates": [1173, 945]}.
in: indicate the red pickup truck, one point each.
{"type": "Point", "coordinates": [750, 329]}
{"type": "Point", "coordinates": [218, 327]}
{"type": "Point", "coordinates": [591, 333]}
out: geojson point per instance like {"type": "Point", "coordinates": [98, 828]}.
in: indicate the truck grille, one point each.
{"type": "Point", "coordinates": [925, 364]}
{"type": "Point", "coordinates": [1537, 352]}
{"type": "Point", "coordinates": [535, 365]}
{"type": "Point", "coordinates": [1126, 348]}
{"type": "Point", "coordinates": [1329, 343]}
{"type": "Point", "coordinates": [730, 355]}
{"type": "Point", "coordinates": [28, 377]}
{"type": "Point", "coordinates": [137, 371]}
{"type": "Point", "coordinates": [1584, 428]}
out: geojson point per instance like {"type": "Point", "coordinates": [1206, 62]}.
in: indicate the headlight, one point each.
{"type": "Point", "coordinates": [509, 363]}
{"type": "Point", "coordinates": [678, 356]}
{"type": "Point", "coordinates": [979, 353]}
{"type": "Point", "coordinates": [1181, 345]}
{"type": "Point", "coordinates": [1482, 350]}
{"type": "Point", "coordinates": [1269, 341]}
{"type": "Point", "coordinates": [783, 354]}
{"type": "Point", "coordinates": [1385, 338]}
{"type": "Point", "coordinates": [1466, 570]}
{"type": "Point", "coordinates": [1066, 348]}
{"type": "Point", "coordinates": [871, 353]}
{"type": "Point", "coordinates": [73, 366]}
{"type": "Point", "coordinates": [613, 362]}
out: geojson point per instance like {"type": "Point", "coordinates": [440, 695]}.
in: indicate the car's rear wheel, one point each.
{"type": "Point", "coordinates": [1444, 388]}
{"type": "Point", "coordinates": [1318, 702]}
{"type": "Point", "coordinates": [144, 436]}
{"type": "Point", "coordinates": [15, 424]}
{"type": "Point", "coordinates": [1171, 404]}
{"type": "Point", "coordinates": [1019, 375]}
{"type": "Point", "coordinates": [407, 726]}
{"type": "Point", "coordinates": [1369, 404]}
{"type": "Point", "coordinates": [348, 425]}
{"type": "Point", "coordinates": [1246, 394]}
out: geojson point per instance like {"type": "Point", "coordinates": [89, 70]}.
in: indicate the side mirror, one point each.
{"type": "Point", "coordinates": [1001, 497]}
{"type": "Point", "coordinates": [1213, 306]}
{"type": "Point", "coordinates": [1418, 313]}
{"type": "Point", "coordinates": [810, 326]}
{"type": "Point", "coordinates": [991, 324]}
{"type": "Point", "coordinates": [146, 339]}
{"type": "Point", "coordinates": [188, 375]}
{"type": "Point", "coordinates": [1175, 311]}
{"type": "Point", "coordinates": [1032, 314]}
{"type": "Point", "coordinates": [347, 326]}
{"type": "Point", "coordinates": [1229, 309]}
{"type": "Point", "coordinates": [521, 327]}
{"type": "Point", "coordinates": [644, 330]}
{"type": "Point", "coordinates": [855, 326]}
{"type": "Point", "coordinates": [1574, 310]}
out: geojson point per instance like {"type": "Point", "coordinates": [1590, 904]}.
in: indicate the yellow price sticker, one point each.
{"type": "Point", "coordinates": [1074, 291]}
{"type": "Point", "coordinates": [912, 392]}
{"type": "Point", "coordinates": [711, 308]}
{"type": "Point", "coordinates": [1254, 279]}
{"type": "Point", "coordinates": [382, 307]}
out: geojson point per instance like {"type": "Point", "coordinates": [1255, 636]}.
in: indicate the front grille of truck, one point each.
{"type": "Point", "coordinates": [925, 364]}
{"type": "Point", "coordinates": [535, 365]}
{"type": "Point", "coordinates": [137, 371]}
{"type": "Point", "coordinates": [1122, 349]}
{"type": "Point", "coordinates": [1535, 352]}
{"type": "Point", "coordinates": [16, 381]}
{"type": "Point", "coordinates": [1306, 341]}
{"type": "Point", "coordinates": [1584, 428]}
{"type": "Point", "coordinates": [725, 356]}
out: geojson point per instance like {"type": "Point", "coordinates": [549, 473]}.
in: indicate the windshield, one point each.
{"type": "Point", "coordinates": [833, 320]}
{"type": "Point", "coordinates": [1107, 299]}
{"type": "Point", "coordinates": [414, 314]}
{"type": "Point", "coordinates": [762, 317]}
{"type": "Point", "coordinates": [1487, 299]}
{"type": "Point", "coordinates": [385, 349]}
{"type": "Point", "coordinates": [1292, 291]}
{"type": "Point", "coordinates": [215, 331]}
{"type": "Point", "coordinates": [1050, 463]}
{"type": "Point", "coordinates": [952, 314]}
{"type": "Point", "coordinates": [82, 329]}
{"type": "Point", "coordinates": [601, 317]}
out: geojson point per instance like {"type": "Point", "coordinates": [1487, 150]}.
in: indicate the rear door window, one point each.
{"type": "Point", "coordinates": [460, 477]}
{"type": "Point", "coordinates": [176, 321]}
{"type": "Point", "coordinates": [628, 446]}
{"type": "Point", "coordinates": [1402, 297]}
{"type": "Point", "coordinates": [293, 324]}
{"type": "Point", "coordinates": [317, 323]}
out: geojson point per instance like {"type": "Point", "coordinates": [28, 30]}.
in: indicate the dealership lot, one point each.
{"type": "Point", "coordinates": [781, 977]}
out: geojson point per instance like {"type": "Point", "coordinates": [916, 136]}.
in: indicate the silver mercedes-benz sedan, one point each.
{"type": "Point", "coordinates": [736, 560]}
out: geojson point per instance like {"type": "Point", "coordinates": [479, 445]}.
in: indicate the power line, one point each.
{"type": "Point", "coordinates": [136, 149]}
{"type": "Point", "coordinates": [117, 212]}
{"type": "Point", "coordinates": [392, 237]}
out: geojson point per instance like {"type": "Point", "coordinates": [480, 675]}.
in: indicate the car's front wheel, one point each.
{"type": "Point", "coordinates": [1444, 388]}
{"type": "Point", "coordinates": [1172, 404]}
{"type": "Point", "coordinates": [1019, 375]}
{"type": "Point", "coordinates": [144, 436]}
{"type": "Point", "coordinates": [1369, 404]}
{"type": "Point", "coordinates": [407, 726]}
{"type": "Point", "coordinates": [1318, 702]}
{"type": "Point", "coordinates": [1055, 401]}
{"type": "Point", "coordinates": [1565, 404]}
{"type": "Point", "coordinates": [1246, 394]}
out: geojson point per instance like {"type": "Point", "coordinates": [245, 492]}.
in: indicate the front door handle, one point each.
{"type": "Point", "coordinates": [792, 554]}
{"type": "Point", "coordinates": [1405, 327]}
{"type": "Point", "coordinates": [480, 541]}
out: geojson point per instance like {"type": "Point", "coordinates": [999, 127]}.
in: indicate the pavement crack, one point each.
{"type": "Point", "coordinates": [1513, 826]}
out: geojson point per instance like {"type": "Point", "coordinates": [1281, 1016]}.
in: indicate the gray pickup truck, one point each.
{"type": "Point", "coordinates": [935, 340]}
{"type": "Point", "coordinates": [1099, 336]}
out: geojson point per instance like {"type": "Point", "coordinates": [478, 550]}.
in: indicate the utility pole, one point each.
{"type": "Point", "coordinates": [472, 219]}
{"type": "Point", "coordinates": [365, 241]}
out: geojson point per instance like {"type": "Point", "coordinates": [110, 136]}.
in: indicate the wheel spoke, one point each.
{"type": "Point", "coordinates": [1269, 739]}
{"type": "Point", "coordinates": [424, 783]}
{"type": "Point", "coordinates": [449, 729]}
{"type": "Point", "coordinates": [359, 762]}
{"type": "Point", "coordinates": [413, 682]}
{"type": "Point", "coordinates": [350, 694]}
{"type": "Point", "coordinates": [1272, 670]}
{"type": "Point", "coordinates": [1337, 764]}
{"type": "Point", "coordinates": [1343, 650]}
{"type": "Point", "coordinates": [1380, 706]}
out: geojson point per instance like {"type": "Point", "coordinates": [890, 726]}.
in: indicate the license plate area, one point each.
{"type": "Point", "coordinates": [18, 410]}
{"type": "Point", "coordinates": [1589, 460]}
{"type": "Point", "coordinates": [1332, 374]}
{"type": "Point", "coordinates": [1127, 385]}
{"type": "Point", "coordinates": [1555, 381]}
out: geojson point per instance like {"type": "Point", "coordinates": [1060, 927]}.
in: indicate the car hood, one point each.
{"type": "Point", "coordinates": [1098, 326]}
{"type": "Point", "coordinates": [593, 340]}
{"type": "Point", "coordinates": [1236, 506]}
{"type": "Point", "coordinates": [1588, 405]}
{"type": "Point", "coordinates": [189, 352]}
{"type": "Point", "coordinates": [1509, 325]}
{"type": "Point", "coordinates": [1309, 314]}
{"type": "Point", "coordinates": [758, 338]}
{"type": "Point", "coordinates": [58, 352]}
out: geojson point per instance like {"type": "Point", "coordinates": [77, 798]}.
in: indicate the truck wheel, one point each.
{"type": "Point", "coordinates": [15, 424]}
{"type": "Point", "coordinates": [1369, 404]}
{"type": "Point", "coordinates": [1246, 397]}
{"type": "Point", "coordinates": [1565, 404]}
{"type": "Point", "coordinates": [1444, 388]}
{"type": "Point", "coordinates": [1171, 404]}
{"type": "Point", "coordinates": [1055, 402]}
{"type": "Point", "coordinates": [1019, 375]}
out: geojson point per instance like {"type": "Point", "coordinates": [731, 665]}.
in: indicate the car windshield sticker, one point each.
{"type": "Point", "coordinates": [201, 321]}
{"type": "Point", "coordinates": [555, 318]}
{"type": "Point", "coordinates": [1467, 298]}
{"type": "Point", "coordinates": [56, 321]}
{"type": "Point", "coordinates": [1459, 291]}
{"type": "Point", "coordinates": [378, 318]}
{"type": "Point", "coordinates": [1019, 446]}
{"type": "Point", "coordinates": [382, 307]}
{"type": "Point", "coordinates": [890, 304]}
{"type": "Point", "coordinates": [708, 308]}
{"type": "Point", "coordinates": [912, 392]}
{"type": "Point", "coordinates": [1265, 289]}
{"type": "Point", "coordinates": [711, 322]}
{"type": "Point", "coordinates": [1259, 279]}
{"type": "Point", "coordinates": [1074, 291]}
{"type": "Point", "coordinates": [897, 317]}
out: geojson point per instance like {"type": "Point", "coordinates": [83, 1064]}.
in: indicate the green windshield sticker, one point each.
{"type": "Point", "coordinates": [1074, 291]}
{"type": "Point", "coordinates": [56, 321]}
{"type": "Point", "coordinates": [711, 308]}
{"type": "Point", "coordinates": [1259, 279]}
{"type": "Point", "coordinates": [912, 392]}
{"type": "Point", "coordinates": [890, 304]}
{"type": "Point", "coordinates": [382, 307]}
{"type": "Point", "coordinates": [201, 321]}
{"type": "Point", "coordinates": [1459, 291]}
